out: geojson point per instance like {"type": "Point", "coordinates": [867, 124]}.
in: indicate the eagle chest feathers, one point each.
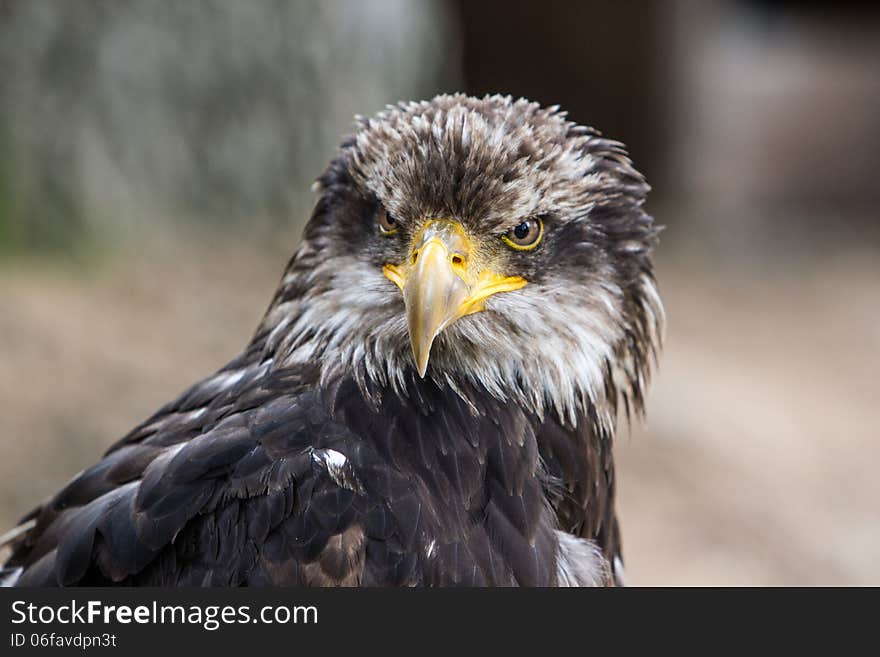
{"type": "Point", "coordinates": [431, 397]}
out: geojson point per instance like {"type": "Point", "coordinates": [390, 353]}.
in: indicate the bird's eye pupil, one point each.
{"type": "Point", "coordinates": [387, 224]}
{"type": "Point", "coordinates": [525, 236]}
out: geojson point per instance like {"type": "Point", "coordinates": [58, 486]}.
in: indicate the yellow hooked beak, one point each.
{"type": "Point", "coordinates": [441, 282]}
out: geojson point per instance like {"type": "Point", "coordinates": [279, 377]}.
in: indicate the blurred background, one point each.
{"type": "Point", "coordinates": [154, 178]}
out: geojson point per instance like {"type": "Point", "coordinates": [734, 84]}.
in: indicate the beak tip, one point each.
{"type": "Point", "coordinates": [421, 366]}
{"type": "Point", "coordinates": [421, 341]}
{"type": "Point", "coordinates": [421, 356]}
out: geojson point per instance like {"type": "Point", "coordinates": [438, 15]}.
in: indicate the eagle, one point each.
{"type": "Point", "coordinates": [432, 395]}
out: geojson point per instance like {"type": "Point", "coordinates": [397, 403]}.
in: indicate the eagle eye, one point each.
{"type": "Point", "coordinates": [387, 224]}
{"type": "Point", "coordinates": [525, 236]}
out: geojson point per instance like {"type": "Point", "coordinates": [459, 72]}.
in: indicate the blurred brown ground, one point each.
{"type": "Point", "coordinates": [756, 465]}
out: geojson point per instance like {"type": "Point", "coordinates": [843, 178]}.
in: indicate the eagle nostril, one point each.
{"type": "Point", "coordinates": [415, 256]}
{"type": "Point", "coordinates": [457, 260]}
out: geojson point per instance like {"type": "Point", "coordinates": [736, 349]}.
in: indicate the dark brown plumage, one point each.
{"type": "Point", "coordinates": [432, 395]}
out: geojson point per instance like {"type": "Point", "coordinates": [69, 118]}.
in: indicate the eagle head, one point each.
{"type": "Point", "coordinates": [486, 244]}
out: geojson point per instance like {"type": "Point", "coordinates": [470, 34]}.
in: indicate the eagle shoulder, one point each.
{"type": "Point", "coordinates": [261, 490]}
